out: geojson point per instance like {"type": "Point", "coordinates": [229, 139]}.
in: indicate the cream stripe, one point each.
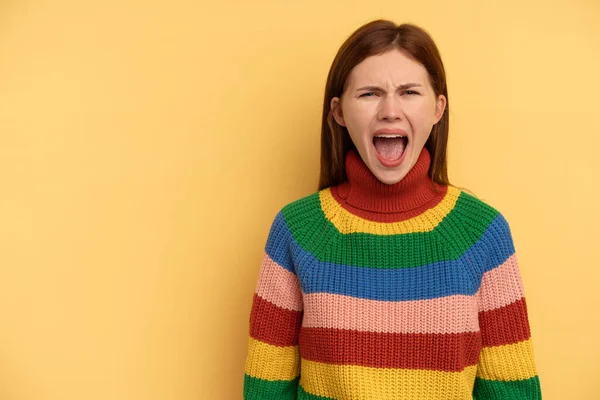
{"type": "Point", "coordinates": [278, 285]}
{"type": "Point", "coordinates": [345, 222]}
{"type": "Point", "coordinates": [501, 286]}
{"type": "Point", "coordinates": [508, 362]}
{"type": "Point", "coordinates": [351, 382]}
{"type": "Point", "coordinates": [272, 363]}
{"type": "Point", "coordinates": [451, 314]}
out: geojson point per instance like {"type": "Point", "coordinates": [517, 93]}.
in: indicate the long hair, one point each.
{"type": "Point", "coordinates": [375, 38]}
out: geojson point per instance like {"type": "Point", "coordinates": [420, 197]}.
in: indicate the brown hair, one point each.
{"type": "Point", "coordinates": [374, 38]}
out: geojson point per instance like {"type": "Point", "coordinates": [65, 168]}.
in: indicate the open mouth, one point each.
{"type": "Point", "coordinates": [390, 147]}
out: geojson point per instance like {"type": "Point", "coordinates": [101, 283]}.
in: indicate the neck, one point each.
{"type": "Point", "coordinates": [365, 195]}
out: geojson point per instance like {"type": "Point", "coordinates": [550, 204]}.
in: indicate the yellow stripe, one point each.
{"type": "Point", "coordinates": [345, 222]}
{"type": "Point", "coordinates": [508, 362]}
{"type": "Point", "coordinates": [351, 382]}
{"type": "Point", "coordinates": [272, 363]}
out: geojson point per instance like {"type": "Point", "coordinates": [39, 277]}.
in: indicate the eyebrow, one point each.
{"type": "Point", "coordinates": [401, 87]}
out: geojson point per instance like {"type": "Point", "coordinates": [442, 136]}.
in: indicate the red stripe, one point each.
{"type": "Point", "coordinates": [272, 324]}
{"type": "Point", "coordinates": [434, 351]}
{"type": "Point", "coordinates": [505, 325]}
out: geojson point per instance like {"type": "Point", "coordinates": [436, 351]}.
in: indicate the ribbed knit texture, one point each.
{"type": "Point", "coordinates": [375, 291]}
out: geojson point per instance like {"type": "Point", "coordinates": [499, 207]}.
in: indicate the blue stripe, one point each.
{"type": "Point", "coordinates": [280, 243]}
{"type": "Point", "coordinates": [443, 278]}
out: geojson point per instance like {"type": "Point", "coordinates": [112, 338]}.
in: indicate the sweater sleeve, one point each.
{"type": "Point", "coordinates": [272, 369]}
{"type": "Point", "coordinates": [506, 367]}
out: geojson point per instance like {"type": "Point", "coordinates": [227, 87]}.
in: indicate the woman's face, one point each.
{"type": "Point", "coordinates": [389, 95]}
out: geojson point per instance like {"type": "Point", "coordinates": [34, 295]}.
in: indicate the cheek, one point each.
{"type": "Point", "coordinates": [422, 116]}
{"type": "Point", "coordinates": [354, 119]}
{"type": "Point", "coordinates": [359, 116]}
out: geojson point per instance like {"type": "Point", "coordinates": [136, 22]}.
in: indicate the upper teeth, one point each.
{"type": "Point", "coordinates": [389, 136]}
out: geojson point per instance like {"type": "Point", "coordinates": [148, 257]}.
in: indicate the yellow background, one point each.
{"type": "Point", "coordinates": [145, 147]}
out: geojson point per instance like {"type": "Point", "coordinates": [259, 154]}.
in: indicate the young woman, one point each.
{"type": "Point", "coordinates": [388, 282]}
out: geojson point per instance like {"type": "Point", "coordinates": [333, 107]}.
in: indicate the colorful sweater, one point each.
{"type": "Point", "coordinates": [370, 291]}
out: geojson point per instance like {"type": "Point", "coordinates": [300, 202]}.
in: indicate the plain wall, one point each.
{"type": "Point", "coordinates": [146, 146]}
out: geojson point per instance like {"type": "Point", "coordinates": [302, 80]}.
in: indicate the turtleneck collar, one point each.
{"type": "Point", "coordinates": [412, 195]}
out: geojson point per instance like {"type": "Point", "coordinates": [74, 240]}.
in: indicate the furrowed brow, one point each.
{"type": "Point", "coordinates": [400, 87]}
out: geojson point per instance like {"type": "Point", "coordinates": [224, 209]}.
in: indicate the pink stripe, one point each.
{"type": "Point", "coordinates": [278, 285]}
{"type": "Point", "coordinates": [501, 286]}
{"type": "Point", "coordinates": [450, 314]}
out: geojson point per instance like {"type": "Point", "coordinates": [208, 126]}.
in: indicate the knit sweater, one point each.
{"type": "Point", "coordinates": [410, 291]}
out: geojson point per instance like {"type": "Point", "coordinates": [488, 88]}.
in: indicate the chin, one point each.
{"type": "Point", "coordinates": [386, 175]}
{"type": "Point", "coordinates": [391, 178]}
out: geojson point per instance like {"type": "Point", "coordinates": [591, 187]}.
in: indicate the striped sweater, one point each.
{"type": "Point", "coordinates": [409, 291]}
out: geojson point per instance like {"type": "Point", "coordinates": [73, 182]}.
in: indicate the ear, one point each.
{"type": "Point", "coordinates": [440, 107]}
{"type": "Point", "coordinates": [336, 110]}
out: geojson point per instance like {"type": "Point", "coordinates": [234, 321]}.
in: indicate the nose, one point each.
{"type": "Point", "coordinates": [390, 108]}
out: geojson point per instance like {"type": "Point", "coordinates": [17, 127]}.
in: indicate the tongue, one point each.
{"type": "Point", "coordinates": [391, 148]}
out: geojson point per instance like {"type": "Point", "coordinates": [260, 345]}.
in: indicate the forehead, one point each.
{"type": "Point", "coordinates": [392, 66]}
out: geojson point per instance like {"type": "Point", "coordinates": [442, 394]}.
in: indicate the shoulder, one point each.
{"type": "Point", "coordinates": [473, 206]}
{"type": "Point", "coordinates": [289, 227]}
{"type": "Point", "coordinates": [487, 223]}
{"type": "Point", "coordinates": [478, 212]}
{"type": "Point", "coordinates": [302, 206]}
{"type": "Point", "coordinates": [295, 215]}
{"type": "Point", "coordinates": [483, 220]}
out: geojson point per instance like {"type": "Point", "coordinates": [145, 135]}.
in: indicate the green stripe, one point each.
{"type": "Point", "coordinates": [458, 231]}
{"type": "Point", "coordinates": [260, 389]}
{"type": "Point", "coordinates": [512, 390]}
{"type": "Point", "coordinates": [304, 395]}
